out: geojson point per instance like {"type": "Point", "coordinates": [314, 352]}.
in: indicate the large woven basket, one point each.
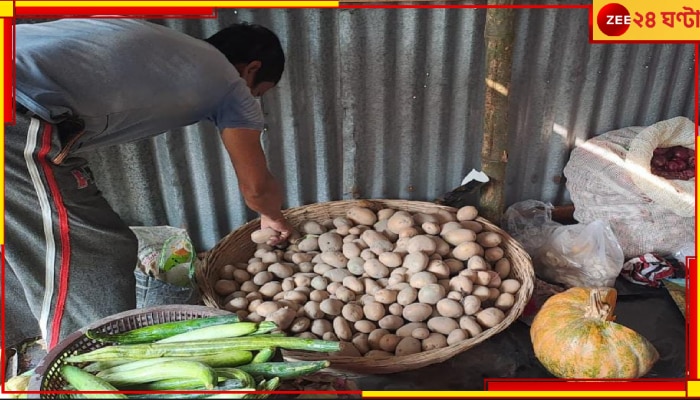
{"type": "Point", "coordinates": [47, 376]}
{"type": "Point", "coordinates": [237, 247]}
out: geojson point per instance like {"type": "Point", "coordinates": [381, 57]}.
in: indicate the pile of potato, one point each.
{"type": "Point", "coordinates": [387, 283]}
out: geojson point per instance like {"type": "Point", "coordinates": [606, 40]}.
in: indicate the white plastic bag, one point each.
{"type": "Point", "coordinates": [583, 255]}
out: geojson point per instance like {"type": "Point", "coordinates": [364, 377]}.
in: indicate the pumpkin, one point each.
{"type": "Point", "coordinates": [574, 336]}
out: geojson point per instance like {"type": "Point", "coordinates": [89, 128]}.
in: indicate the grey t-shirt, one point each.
{"type": "Point", "coordinates": [127, 79]}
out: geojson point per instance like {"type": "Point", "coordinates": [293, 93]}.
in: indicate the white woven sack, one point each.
{"type": "Point", "coordinates": [601, 187]}
{"type": "Point", "coordinates": [676, 195]}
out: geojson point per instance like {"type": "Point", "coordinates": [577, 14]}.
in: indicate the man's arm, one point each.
{"type": "Point", "coordinates": [262, 193]}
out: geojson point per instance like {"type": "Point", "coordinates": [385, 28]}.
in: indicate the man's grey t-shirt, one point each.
{"type": "Point", "coordinates": [128, 79]}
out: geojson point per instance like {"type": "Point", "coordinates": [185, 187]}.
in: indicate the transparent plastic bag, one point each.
{"type": "Point", "coordinates": [583, 255]}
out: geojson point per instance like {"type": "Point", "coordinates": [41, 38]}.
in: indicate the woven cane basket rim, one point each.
{"type": "Point", "coordinates": [47, 377]}
{"type": "Point", "coordinates": [238, 247]}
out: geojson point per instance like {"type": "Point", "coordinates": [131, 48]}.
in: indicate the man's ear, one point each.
{"type": "Point", "coordinates": [249, 71]}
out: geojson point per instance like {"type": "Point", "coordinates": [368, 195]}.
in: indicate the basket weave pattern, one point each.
{"type": "Point", "coordinates": [48, 377]}
{"type": "Point", "coordinates": [237, 247]}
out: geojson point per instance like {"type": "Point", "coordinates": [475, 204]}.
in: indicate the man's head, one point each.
{"type": "Point", "coordinates": [256, 53]}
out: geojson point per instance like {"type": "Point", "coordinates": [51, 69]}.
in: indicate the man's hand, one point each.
{"type": "Point", "coordinates": [279, 224]}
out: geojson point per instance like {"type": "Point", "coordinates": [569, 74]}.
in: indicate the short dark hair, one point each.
{"type": "Point", "coordinates": [245, 43]}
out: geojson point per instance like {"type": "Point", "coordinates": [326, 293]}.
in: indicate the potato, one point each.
{"type": "Point", "coordinates": [416, 312]}
{"type": "Point", "coordinates": [469, 324]}
{"type": "Point", "coordinates": [493, 294]}
{"type": "Point", "coordinates": [335, 259]}
{"type": "Point", "coordinates": [407, 296]}
{"type": "Point", "coordinates": [445, 216]}
{"type": "Point", "coordinates": [283, 318]}
{"type": "Point", "coordinates": [416, 262]}
{"type": "Point", "coordinates": [408, 232]}
{"type": "Point", "coordinates": [253, 304]}
{"type": "Point", "coordinates": [321, 268]}
{"type": "Point", "coordinates": [385, 213]}
{"type": "Point", "coordinates": [490, 317]}
{"type": "Point", "coordinates": [449, 308]}
{"type": "Point", "coordinates": [442, 248]}
{"type": "Point", "coordinates": [312, 228]}
{"type": "Point", "coordinates": [227, 272]}
{"type": "Point", "coordinates": [337, 275]}
{"type": "Point", "coordinates": [351, 239]}
{"type": "Point", "coordinates": [510, 286]}
{"type": "Point", "coordinates": [288, 284]}
{"type": "Point", "coordinates": [419, 218]}
{"type": "Point", "coordinates": [396, 309]}
{"type": "Point", "coordinates": [263, 277]}
{"type": "Point", "coordinates": [467, 213]}
{"type": "Point", "coordinates": [375, 336]}
{"type": "Point", "coordinates": [390, 322]}
{"type": "Point", "coordinates": [350, 250]}
{"type": "Point", "coordinates": [254, 317]}
{"type": "Point", "coordinates": [356, 266]}
{"type": "Point", "coordinates": [468, 273]}
{"type": "Point", "coordinates": [477, 263]}
{"type": "Point", "coordinates": [407, 346]}
{"type": "Point", "coordinates": [330, 242]}
{"type": "Point", "coordinates": [371, 286]}
{"type": "Point", "coordinates": [303, 279]}
{"type": "Point", "coordinates": [367, 254]}
{"type": "Point", "coordinates": [296, 296]}
{"type": "Point", "coordinates": [361, 215]}
{"type": "Point", "coordinates": [240, 275]}
{"type": "Point", "coordinates": [361, 342]}
{"type": "Point", "coordinates": [237, 304]}
{"type": "Point", "coordinates": [356, 231]}
{"type": "Point", "coordinates": [421, 243]}
{"type": "Point", "coordinates": [374, 311]}
{"type": "Point", "coordinates": [317, 258]}
{"type": "Point", "coordinates": [406, 329]}
{"type": "Point", "coordinates": [434, 341]}
{"type": "Point", "coordinates": [365, 326]}
{"type": "Point", "coordinates": [307, 335]}
{"type": "Point", "coordinates": [421, 333]}
{"type": "Point", "coordinates": [312, 309]}
{"type": "Point", "coordinates": [402, 246]}
{"type": "Point", "coordinates": [263, 235]}
{"type": "Point", "coordinates": [270, 257]}
{"type": "Point", "coordinates": [318, 295]}
{"type": "Point", "coordinates": [457, 336]}
{"type": "Point", "coordinates": [330, 336]}
{"type": "Point", "coordinates": [454, 265]}
{"type": "Point", "coordinates": [389, 342]}
{"type": "Point", "coordinates": [391, 259]}
{"type": "Point", "coordinates": [378, 354]}
{"type": "Point", "coordinates": [482, 292]}
{"type": "Point", "coordinates": [309, 243]}
{"type": "Point", "coordinates": [400, 220]}
{"type": "Point", "coordinates": [224, 287]}
{"type": "Point", "coordinates": [489, 239]}
{"type": "Point", "coordinates": [249, 286]}
{"type": "Point", "coordinates": [270, 289]}
{"type": "Point", "coordinates": [494, 280]}
{"type": "Point", "coordinates": [240, 293]}
{"type": "Point", "coordinates": [475, 226]}
{"type": "Point", "coordinates": [439, 269]}
{"type": "Point", "coordinates": [431, 293]}
{"type": "Point", "coordinates": [435, 256]}
{"type": "Point", "coordinates": [493, 254]}
{"type": "Point", "coordinates": [442, 325]}
{"type": "Point", "coordinates": [280, 270]}
{"type": "Point", "coordinates": [354, 284]}
{"type": "Point", "coordinates": [266, 308]}
{"type": "Point", "coordinates": [342, 328]}
{"type": "Point", "coordinates": [502, 267]}
{"type": "Point", "coordinates": [421, 279]}
{"type": "Point", "coordinates": [348, 349]}
{"type": "Point", "coordinates": [339, 222]}
{"type": "Point", "coordinates": [466, 250]}
{"type": "Point", "coordinates": [471, 305]}
{"type": "Point", "coordinates": [482, 278]}
{"type": "Point", "coordinates": [319, 327]}
{"type": "Point", "coordinates": [319, 283]}
{"type": "Point", "coordinates": [454, 295]}
{"type": "Point", "coordinates": [331, 306]}
{"type": "Point", "coordinates": [385, 296]}
{"type": "Point", "coordinates": [306, 267]}
{"type": "Point", "coordinates": [461, 284]}
{"type": "Point", "coordinates": [456, 237]}
{"type": "Point", "coordinates": [344, 294]}
{"type": "Point", "coordinates": [376, 241]}
{"type": "Point", "coordinates": [505, 301]}
{"type": "Point", "coordinates": [262, 251]}
{"type": "Point", "coordinates": [431, 228]}
{"type": "Point", "coordinates": [375, 269]}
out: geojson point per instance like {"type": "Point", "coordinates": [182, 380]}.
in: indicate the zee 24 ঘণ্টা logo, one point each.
{"type": "Point", "coordinates": [614, 19]}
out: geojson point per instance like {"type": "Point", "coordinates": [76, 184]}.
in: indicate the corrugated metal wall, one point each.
{"type": "Point", "coordinates": [388, 103]}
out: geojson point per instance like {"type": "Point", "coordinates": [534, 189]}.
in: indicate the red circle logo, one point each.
{"type": "Point", "coordinates": [613, 19]}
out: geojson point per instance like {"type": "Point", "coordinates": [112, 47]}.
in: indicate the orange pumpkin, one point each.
{"type": "Point", "coordinates": [574, 336]}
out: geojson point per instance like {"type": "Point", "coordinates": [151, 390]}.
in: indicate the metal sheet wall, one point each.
{"type": "Point", "coordinates": [389, 104]}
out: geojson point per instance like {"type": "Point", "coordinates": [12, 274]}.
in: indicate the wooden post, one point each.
{"type": "Point", "coordinates": [498, 35]}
